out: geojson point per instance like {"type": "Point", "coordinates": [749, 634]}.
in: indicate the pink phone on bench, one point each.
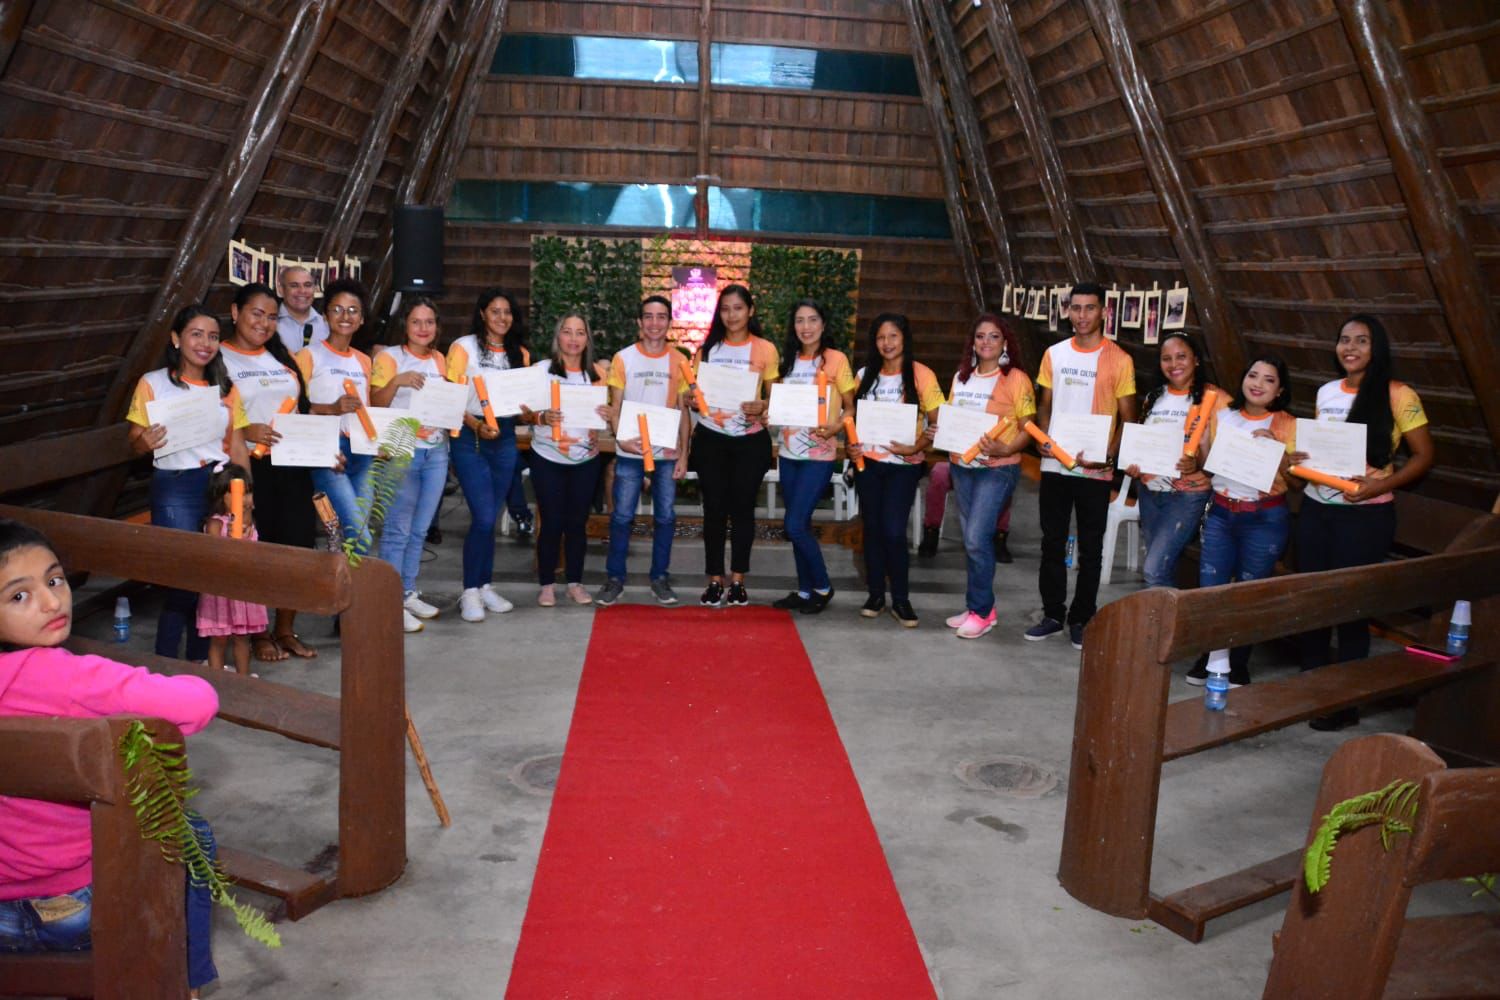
{"type": "Point", "coordinates": [1431, 653]}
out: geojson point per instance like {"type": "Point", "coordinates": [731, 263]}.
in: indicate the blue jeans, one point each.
{"type": "Point", "coordinates": [179, 499]}
{"type": "Point", "coordinates": [411, 513]}
{"type": "Point", "coordinates": [630, 474]}
{"type": "Point", "coordinates": [982, 495]}
{"type": "Point", "coordinates": [1237, 547]}
{"type": "Point", "coordinates": [346, 490]}
{"type": "Point", "coordinates": [484, 469]}
{"type": "Point", "coordinates": [1169, 520]}
{"type": "Point", "coordinates": [802, 484]}
{"type": "Point", "coordinates": [886, 493]}
{"type": "Point", "coordinates": [23, 929]}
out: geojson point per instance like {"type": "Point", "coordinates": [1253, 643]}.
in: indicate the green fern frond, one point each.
{"type": "Point", "coordinates": [1392, 807]}
{"type": "Point", "coordinates": [397, 448]}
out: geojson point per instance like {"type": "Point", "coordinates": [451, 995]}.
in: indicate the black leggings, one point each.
{"type": "Point", "coordinates": [1336, 536]}
{"type": "Point", "coordinates": [730, 470]}
{"type": "Point", "coordinates": [563, 495]}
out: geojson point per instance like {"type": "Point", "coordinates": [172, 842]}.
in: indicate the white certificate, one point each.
{"type": "Point", "coordinates": [512, 388]}
{"type": "Point", "coordinates": [580, 405]}
{"type": "Point", "coordinates": [382, 417]}
{"type": "Point", "coordinates": [192, 419]}
{"type": "Point", "coordinates": [879, 424]}
{"type": "Point", "coordinates": [1248, 460]}
{"type": "Point", "coordinates": [1332, 446]}
{"type": "Point", "coordinates": [1156, 448]}
{"type": "Point", "coordinates": [440, 403]}
{"type": "Point", "coordinates": [1085, 436]}
{"type": "Point", "coordinates": [307, 439]}
{"type": "Point", "coordinates": [793, 405]}
{"type": "Point", "coordinates": [725, 387]}
{"type": "Point", "coordinates": [961, 427]}
{"type": "Point", "coordinates": [662, 423]}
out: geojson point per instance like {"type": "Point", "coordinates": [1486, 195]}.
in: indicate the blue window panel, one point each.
{"type": "Point", "coordinates": [641, 206]}
{"type": "Point", "coordinates": [770, 211]}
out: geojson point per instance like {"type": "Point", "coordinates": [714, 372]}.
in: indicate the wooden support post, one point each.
{"type": "Point", "coordinates": [13, 17]}
{"type": "Point", "coordinates": [942, 134]}
{"type": "Point", "coordinates": [705, 115]}
{"type": "Point", "coordinates": [1431, 203]}
{"type": "Point", "coordinates": [970, 137]}
{"type": "Point", "coordinates": [361, 177]}
{"type": "Point", "coordinates": [1025, 98]}
{"type": "Point", "coordinates": [1177, 206]}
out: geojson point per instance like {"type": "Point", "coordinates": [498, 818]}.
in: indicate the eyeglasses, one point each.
{"type": "Point", "coordinates": [343, 310]}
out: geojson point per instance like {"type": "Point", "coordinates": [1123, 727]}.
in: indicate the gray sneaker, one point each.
{"type": "Point", "coordinates": [609, 593]}
{"type": "Point", "coordinates": [661, 589]}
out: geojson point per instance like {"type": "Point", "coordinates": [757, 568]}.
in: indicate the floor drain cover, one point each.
{"type": "Point", "coordinates": [537, 775]}
{"type": "Point", "coordinates": [1015, 777]}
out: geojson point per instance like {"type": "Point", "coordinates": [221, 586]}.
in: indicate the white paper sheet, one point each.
{"type": "Point", "coordinates": [961, 427]}
{"type": "Point", "coordinates": [440, 404]}
{"type": "Point", "coordinates": [580, 407]}
{"type": "Point", "coordinates": [192, 419]}
{"type": "Point", "coordinates": [725, 387]}
{"type": "Point", "coordinates": [1085, 436]}
{"type": "Point", "coordinates": [878, 424]}
{"type": "Point", "coordinates": [307, 439]}
{"type": "Point", "coordinates": [1156, 448]}
{"type": "Point", "coordinates": [793, 405]}
{"type": "Point", "coordinates": [662, 423]}
{"type": "Point", "coordinates": [382, 417]}
{"type": "Point", "coordinates": [511, 388]}
{"type": "Point", "coordinates": [1248, 460]}
{"type": "Point", "coordinates": [1332, 446]}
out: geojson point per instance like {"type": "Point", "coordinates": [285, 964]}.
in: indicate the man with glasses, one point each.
{"type": "Point", "coordinates": [298, 324]}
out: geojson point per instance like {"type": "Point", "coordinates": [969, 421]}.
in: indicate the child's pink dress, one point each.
{"type": "Point", "coordinates": [223, 615]}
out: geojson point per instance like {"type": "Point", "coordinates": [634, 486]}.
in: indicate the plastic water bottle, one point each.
{"type": "Point", "coordinates": [1072, 551]}
{"type": "Point", "coordinates": [1458, 629]}
{"type": "Point", "coordinates": [122, 619]}
{"type": "Point", "coordinates": [1216, 689]}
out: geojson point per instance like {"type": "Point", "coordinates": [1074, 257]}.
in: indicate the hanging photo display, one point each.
{"type": "Point", "coordinates": [1176, 314]}
{"type": "Point", "coordinates": [1005, 302]}
{"type": "Point", "coordinates": [1151, 323]}
{"type": "Point", "coordinates": [1130, 309]}
{"type": "Point", "coordinates": [1112, 314]}
{"type": "Point", "coordinates": [246, 264]}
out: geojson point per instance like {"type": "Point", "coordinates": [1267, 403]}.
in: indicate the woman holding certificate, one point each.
{"type": "Point", "coordinates": [808, 452]}
{"type": "Point", "coordinates": [1337, 529]}
{"type": "Point", "coordinates": [399, 374]}
{"type": "Point", "coordinates": [887, 485]}
{"type": "Point", "coordinates": [190, 415]}
{"type": "Point", "coordinates": [565, 457]}
{"type": "Point", "coordinates": [989, 379]}
{"type": "Point", "coordinates": [484, 456]}
{"type": "Point", "coordinates": [730, 448]}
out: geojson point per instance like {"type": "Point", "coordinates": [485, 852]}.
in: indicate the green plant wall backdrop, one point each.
{"type": "Point", "coordinates": [599, 278]}
{"type": "Point", "coordinates": [782, 275]}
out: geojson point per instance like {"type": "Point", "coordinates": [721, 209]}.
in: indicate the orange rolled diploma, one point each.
{"type": "Point", "coordinates": [822, 397]}
{"type": "Point", "coordinates": [1323, 479]}
{"type": "Point", "coordinates": [287, 406]}
{"type": "Point", "coordinates": [236, 508]}
{"type": "Point", "coordinates": [859, 462]}
{"type": "Point", "coordinates": [647, 459]}
{"type": "Point", "coordinates": [994, 434]}
{"type": "Point", "coordinates": [1199, 420]}
{"type": "Point", "coordinates": [484, 403]}
{"type": "Point", "coordinates": [1042, 437]}
{"type": "Point", "coordinates": [362, 413]}
{"type": "Point", "coordinates": [557, 430]}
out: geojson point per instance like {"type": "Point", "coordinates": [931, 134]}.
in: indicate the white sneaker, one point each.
{"type": "Point", "coordinates": [416, 606]}
{"type": "Point", "coordinates": [471, 606]}
{"type": "Point", "coordinates": [975, 626]}
{"type": "Point", "coordinates": [410, 622]}
{"type": "Point", "coordinates": [954, 621]}
{"type": "Point", "coordinates": [493, 601]}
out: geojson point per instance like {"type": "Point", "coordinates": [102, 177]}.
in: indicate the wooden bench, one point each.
{"type": "Point", "coordinates": [138, 925]}
{"type": "Point", "coordinates": [366, 724]}
{"type": "Point", "coordinates": [1125, 729]}
{"type": "Point", "coordinates": [1351, 940]}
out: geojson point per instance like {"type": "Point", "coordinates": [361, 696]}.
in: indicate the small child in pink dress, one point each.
{"type": "Point", "coordinates": [221, 619]}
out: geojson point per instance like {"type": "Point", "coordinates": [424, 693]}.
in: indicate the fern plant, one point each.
{"type": "Point", "coordinates": [1392, 807]}
{"type": "Point", "coordinates": [157, 779]}
{"type": "Point", "coordinates": [398, 446]}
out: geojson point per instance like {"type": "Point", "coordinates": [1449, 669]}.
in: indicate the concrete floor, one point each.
{"type": "Point", "coordinates": [976, 869]}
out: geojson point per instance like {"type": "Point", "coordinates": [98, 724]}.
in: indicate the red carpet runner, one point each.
{"type": "Point", "coordinates": [707, 837]}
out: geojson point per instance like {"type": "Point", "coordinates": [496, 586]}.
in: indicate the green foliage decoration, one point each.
{"type": "Point", "coordinates": [398, 446]}
{"type": "Point", "coordinates": [780, 275]}
{"type": "Point", "coordinates": [157, 778]}
{"type": "Point", "coordinates": [1392, 807]}
{"type": "Point", "coordinates": [600, 278]}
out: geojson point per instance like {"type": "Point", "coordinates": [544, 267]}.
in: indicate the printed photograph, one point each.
{"type": "Point", "coordinates": [1152, 323]}
{"type": "Point", "coordinates": [241, 263]}
{"type": "Point", "coordinates": [1054, 313]}
{"type": "Point", "coordinates": [1176, 317]}
{"type": "Point", "coordinates": [1130, 310]}
{"type": "Point", "coordinates": [1112, 314]}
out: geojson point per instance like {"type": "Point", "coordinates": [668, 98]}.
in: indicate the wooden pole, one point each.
{"type": "Point", "coordinates": [420, 754]}
{"type": "Point", "coordinates": [970, 137]}
{"type": "Point", "coordinates": [1431, 203]}
{"type": "Point", "coordinates": [942, 133]}
{"type": "Point", "coordinates": [1177, 206]}
{"type": "Point", "coordinates": [13, 17]}
{"type": "Point", "coordinates": [705, 115]}
{"type": "Point", "coordinates": [1024, 96]}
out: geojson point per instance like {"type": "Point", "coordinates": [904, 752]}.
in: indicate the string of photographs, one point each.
{"type": "Point", "coordinates": [1149, 310]}
{"type": "Point", "coordinates": [247, 264]}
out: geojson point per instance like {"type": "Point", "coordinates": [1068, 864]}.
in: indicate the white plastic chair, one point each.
{"type": "Point", "coordinates": [1128, 514]}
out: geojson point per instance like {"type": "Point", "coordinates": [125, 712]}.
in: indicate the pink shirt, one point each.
{"type": "Point", "coordinates": [45, 848]}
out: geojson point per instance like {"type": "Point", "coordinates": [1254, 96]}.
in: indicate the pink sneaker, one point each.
{"type": "Point", "coordinates": [975, 626]}
{"type": "Point", "coordinates": [954, 621]}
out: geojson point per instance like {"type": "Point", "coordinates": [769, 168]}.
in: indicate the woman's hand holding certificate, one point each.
{"type": "Point", "coordinates": [960, 428]}
{"type": "Point", "coordinates": [192, 418]}
{"type": "Point", "coordinates": [725, 387]}
{"type": "Point", "coordinates": [1248, 460]}
{"type": "Point", "coordinates": [440, 404]}
{"type": "Point", "coordinates": [663, 423]}
{"type": "Point", "coordinates": [512, 388]}
{"type": "Point", "coordinates": [883, 424]}
{"type": "Point", "coordinates": [1154, 449]}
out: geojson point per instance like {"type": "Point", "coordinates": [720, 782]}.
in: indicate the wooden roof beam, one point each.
{"type": "Point", "coordinates": [1178, 209]}
{"type": "Point", "coordinates": [970, 138]}
{"type": "Point", "coordinates": [1066, 223]}
{"type": "Point", "coordinates": [932, 97]}
{"type": "Point", "coordinates": [13, 17]}
{"type": "Point", "coordinates": [350, 207]}
{"type": "Point", "coordinates": [1431, 203]}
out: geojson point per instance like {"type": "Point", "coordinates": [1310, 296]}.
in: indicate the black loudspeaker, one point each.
{"type": "Point", "coordinates": [418, 257]}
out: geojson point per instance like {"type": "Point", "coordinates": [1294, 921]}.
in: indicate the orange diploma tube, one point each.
{"type": "Point", "coordinates": [236, 508]}
{"type": "Point", "coordinates": [1323, 479]}
{"type": "Point", "coordinates": [1042, 437]}
{"type": "Point", "coordinates": [859, 462]}
{"type": "Point", "coordinates": [647, 459]}
{"type": "Point", "coordinates": [1198, 420]}
{"type": "Point", "coordinates": [822, 397]}
{"type": "Point", "coordinates": [287, 406]}
{"type": "Point", "coordinates": [994, 434]}
{"type": "Point", "coordinates": [557, 429]}
{"type": "Point", "coordinates": [362, 413]}
{"type": "Point", "coordinates": [484, 403]}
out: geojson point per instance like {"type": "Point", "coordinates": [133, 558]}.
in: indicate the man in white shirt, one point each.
{"type": "Point", "coordinates": [298, 324]}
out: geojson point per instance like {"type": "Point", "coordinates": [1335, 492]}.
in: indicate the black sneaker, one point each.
{"type": "Point", "coordinates": [791, 602]}
{"type": "Point", "coordinates": [737, 597]}
{"type": "Point", "coordinates": [1002, 551]}
{"type": "Point", "coordinates": [817, 602]}
{"type": "Point", "coordinates": [903, 613]}
{"type": "Point", "coordinates": [1044, 628]}
{"type": "Point", "coordinates": [1075, 635]}
{"type": "Point", "coordinates": [928, 547]}
{"type": "Point", "coordinates": [873, 606]}
{"type": "Point", "coordinates": [713, 595]}
{"type": "Point", "coordinates": [1198, 675]}
{"type": "Point", "coordinates": [1332, 723]}
{"type": "Point", "coordinates": [1240, 678]}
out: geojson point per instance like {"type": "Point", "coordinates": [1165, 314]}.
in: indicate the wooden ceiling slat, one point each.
{"type": "Point", "coordinates": [38, 202]}
{"type": "Point", "coordinates": [1280, 137]}
{"type": "Point", "coordinates": [1290, 84]}
{"type": "Point", "coordinates": [1206, 12]}
{"type": "Point", "coordinates": [171, 27]}
{"type": "Point", "coordinates": [1094, 138]}
{"type": "Point", "coordinates": [105, 109]}
{"type": "Point", "coordinates": [1444, 40]}
{"type": "Point", "coordinates": [178, 79]}
{"type": "Point", "coordinates": [38, 248]}
{"type": "Point", "coordinates": [1341, 175]}
{"type": "Point", "coordinates": [1344, 307]}
{"type": "Point", "coordinates": [1233, 54]}
{"type": "Point", "coordinates": [1393, 262]}
{"type": "Point", "coordinates": [1400, 349]}
{"type": "Point", "coordinates": [69, 154]}
{"type": "Point", "coordinates": [1355, 217]}
{"type": "Point", "coordinates": [68, 293]}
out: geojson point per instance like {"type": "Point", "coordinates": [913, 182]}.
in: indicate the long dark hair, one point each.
{"type": "Point", "coordinates": [793, 348]}
{"type": "Point", "coordinates": [1012, 350]}
{"type": "Point", "coordinates": [274, 346]}
{"type": "Point", "coordinates": [1200, 380]}
{"type": "Point", "coordinates": [15, 536]}
{"type": "Point", "coordinates": [586, 362]}
{"type": "Point", "coordinates": [716, 330]}
{"type": "Point", "coordinates": [873, 359]}
{"type": "Point", "coordinates": [214, 371]}
{"type": "Point", "coordinates": [408, 306]}
{"type": "Point", "coordinates": [1372, 403]}
{"type": "Point", "coordinates": [515, 337]}
{"type": "Point", "coordinates": [1283, 397]}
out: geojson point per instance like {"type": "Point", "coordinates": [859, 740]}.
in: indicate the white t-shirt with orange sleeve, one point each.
{"type": "Point", "coordinates": [465, 360]}
{"type": "Point", "coordinates": [324, 369]}
{"type": "Point", "coordinates": [1283, 427]}
{"type": "Point", "coordinates": [796, 442]}
{"type": "Point", "coordinates": [1335, 399]}
{"type": "Point", "coordinates": [158, 385]}
{"type": "Point", "coordinates": [1008, 395]}
{"type": "Point", "coordinates": [890, 389]}
{"type": "Point", "coordinates": [393, 362]}
{"type": "Point", "coordinates": [649, 379]}
{"type": "Point", "coordinates": [582, 445]}
{"type": "Point", "coordinates": [757, 355]}
{"type": "Point", "coordinates": [262, 381]}
{"type": "Point", "coordinates": [1082, 381]}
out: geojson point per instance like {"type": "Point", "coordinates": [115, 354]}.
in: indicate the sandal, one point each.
{"type": "Point", "coordinates": [292, 643]}
{"type": "Point", "coordinates": [266, 649]}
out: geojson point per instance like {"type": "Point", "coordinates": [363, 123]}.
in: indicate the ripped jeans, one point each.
{"type": "Point", "coordinates": [1241, 546]}
{"type": "Point", "coordinates": [1169, 520]}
